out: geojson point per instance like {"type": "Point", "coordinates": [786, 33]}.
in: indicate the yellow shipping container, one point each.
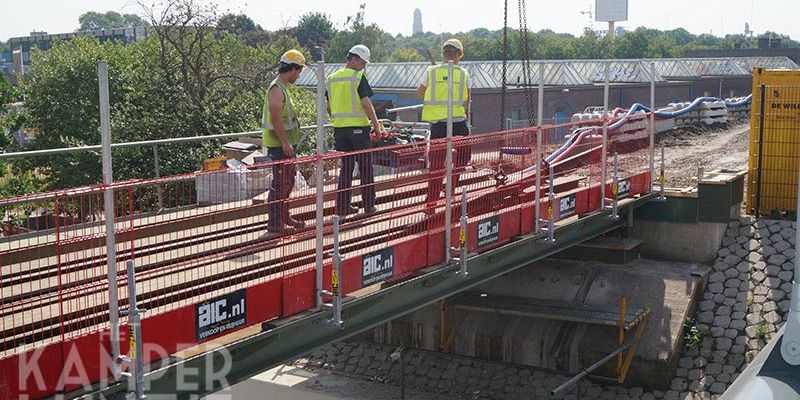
{"type": "Point", "coordinates": [774, 142]}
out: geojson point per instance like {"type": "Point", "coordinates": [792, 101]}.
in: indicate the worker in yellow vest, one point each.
{"type": "Point", "coordinates": [352, 113]}
{"type": "Point", "coordinates": [280, 132]}
{"type": "Point", "coordinates": [433, 90]}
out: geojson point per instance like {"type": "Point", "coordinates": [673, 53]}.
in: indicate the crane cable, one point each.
{"type": "Point", "coordinates": [527, 78]}
{"type": "Point", "coordinates": [505, 67]}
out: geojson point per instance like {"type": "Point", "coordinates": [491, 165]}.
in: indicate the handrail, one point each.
{"type": "Point", "coordinates": [144, 143]}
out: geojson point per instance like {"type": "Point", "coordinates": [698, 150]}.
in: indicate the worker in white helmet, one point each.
{"type": "Point", "coordinates": [352, 114]}
{"type": "Point", "coordinates": [280, 132]}
{"type": "Point", "coordinates": [433, 90]}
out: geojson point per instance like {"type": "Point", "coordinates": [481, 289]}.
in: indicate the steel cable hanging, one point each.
{"type": "Point", "coordinates": [527, 78]}
{"type": "Point", "coordinates": [504, 68]}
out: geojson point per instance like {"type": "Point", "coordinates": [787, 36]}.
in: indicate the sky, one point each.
{"type": "Point", "coordinates": [718, 17]}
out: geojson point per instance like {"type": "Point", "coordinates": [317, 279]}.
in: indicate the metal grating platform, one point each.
{"type": "Point", "coordinates": [548, 309]}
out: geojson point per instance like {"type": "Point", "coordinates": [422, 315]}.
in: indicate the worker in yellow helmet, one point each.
{"type": "Point", "coordinates": [433, 90]}
{"type": "Point", "coordinates": [280, 132]}
{"type": "Point", "coordinates": [352, 113]}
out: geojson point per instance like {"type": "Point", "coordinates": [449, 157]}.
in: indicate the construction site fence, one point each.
{"type": "Point", "coordinates": [196, 239]}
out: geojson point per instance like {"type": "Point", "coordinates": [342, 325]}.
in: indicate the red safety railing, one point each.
{"type": "Point", "coordinates": [198, 238]}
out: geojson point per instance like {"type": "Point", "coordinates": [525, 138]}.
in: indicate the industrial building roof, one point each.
{"type": "Point", "coordinates": [487, 74]}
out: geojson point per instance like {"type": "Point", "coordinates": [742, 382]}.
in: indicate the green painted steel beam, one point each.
{"type": "Point", "coordinates": [289, 340]}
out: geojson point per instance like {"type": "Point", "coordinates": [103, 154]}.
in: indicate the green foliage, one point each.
{"type": "Point", "coordinates": [762, 332]}
{"type": "Point", "coordinates": [4, 47]}
{"type": "Point", "coordinates": [692, 336]}
{"type": "Point", "coordinates": [185, 79]}
{"type": "Point", "coordinates": [405, 55]}
{"type": "Point", "coordinates": [19, 184]}
{"type": "Point", "coordinates": [68, 118]}
{"type": "Point", "coordinates": [314, 29]}
{"type": "Point", "coordinates": [238, 24]}
{"type": "Point", "coordinates": [93, 20]}
{"type": "Point", "coordinates": [8, 94]}
{"type": "Point", "coordinates": [358, 32]}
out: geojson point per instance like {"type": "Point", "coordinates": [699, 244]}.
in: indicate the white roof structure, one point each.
{"type": "Point", "coordinates": [487, 74]}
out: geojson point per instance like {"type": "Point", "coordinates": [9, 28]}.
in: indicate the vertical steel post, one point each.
{"type": "Point", "coordinates": [551, 209]}
{"type": "Point", "coordinates": [135, 328]}
{"type": "Point", "coordinates": [615, 189]}
{"type": "Point", "coordinates": [336, 273]}
{"type": "Point", "coordinates": [320, 176]}
{"type": "Point", "coordinates": [662, 177]}
{"type": "Point", "coordinates": [539, 115]}
{"type": "Point", "coordinates": [603, 156]}
{"type": "Point", "coordinates": [157, 164]}
{"type": "Point", "coordinates": [652, 122]}
{"type": "Point", "coordinates": [448, 217]}
{"type": "Point", "coordinates": [108, 203]}
{"type": "Point", "coordinates": [462, 236]}
{"type": "Point", "coordinates": [790, 345]}
{"type": "Point", "coordinates": [623, 309]}
{"type": "Point", "coordinates": [403, 373]}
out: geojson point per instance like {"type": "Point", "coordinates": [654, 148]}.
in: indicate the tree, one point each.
{"type": "Point", "coordinates": [185, 79]}
{"type": "Point", "coordinates": [314, 29]}
{"type": "Point", "coordinates": [8, 94]}
{"type": "Point", "coordinates": [93, 20]}
{"type": "Point", "coordinates": [632, 44]}
{"type": "Point", "coordinates": [237, 24]}
{"type": "Point", "coordinates": [67, 118]}
{"type": "Point", "coordinates": [358, 32]}
{"type": "Point", "coordinates": [405, 55]}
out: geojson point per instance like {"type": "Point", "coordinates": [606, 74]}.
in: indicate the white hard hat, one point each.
{"type": "Point", "coordinates": [361, 51]}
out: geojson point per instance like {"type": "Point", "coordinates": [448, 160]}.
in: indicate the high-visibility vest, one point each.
{"type": "Point", "coordinates": [290, 123]}
{"type": "Point", "coordinates": [435, 104]}
{"type": "Point", "coordinates": [345, 103]}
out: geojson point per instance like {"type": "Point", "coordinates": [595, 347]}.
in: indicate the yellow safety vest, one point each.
{"type": "Point", "coordinates": [435, 104]}
{"type": "Point", "coordinates": [290, 123]}
{"type": "Point", "coordinates": [345, 103]}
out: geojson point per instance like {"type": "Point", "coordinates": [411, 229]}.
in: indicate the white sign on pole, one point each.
{"type": "Point", "coordinates": [610, 10]}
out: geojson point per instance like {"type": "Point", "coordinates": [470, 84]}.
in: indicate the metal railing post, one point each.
{"type": "Point", "coordinates": [320, 176]}
{"type": "Point", "coordinates": [662, 177]}
{"type": "Point", "coordinates": [157, 164]}
{"type": "Point", "coordinates": [136, 353]}
{"type": "Point", "coordinates": [462, 237]}
{"type": "Point", "coordinates": [336, 273]}
{"type": "Point", "coordinates": [539, 115]}
{"type": "Point", "coordinates": [615, 189]}
{"type": "Point", "coordinates": [108, 203]}
{"type": "Point", "coordinates": [551, 209]}
{"type": "Point", "coordinates": [448, 217]}
{"type": "Point", "coordinates": [603, 156]}
{"type": "Point", "coordinates": [652, 121]}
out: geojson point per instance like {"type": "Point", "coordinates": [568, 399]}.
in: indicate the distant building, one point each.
{"type": "Point", "coordinates": [767, 47]}
{"type": "Point", "coordinates": [618, 31]}
{"type": "Point", "coordinates": [42, 40]}
{"type": "Point", "coordinates": [6, 64]}
{"type": "Point", "coordinates": [417, 28]}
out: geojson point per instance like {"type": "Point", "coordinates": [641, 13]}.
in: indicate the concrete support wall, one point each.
{"type": "Point", "coordinates": [677, 241]}
{"type": "Point", "coordinates": [669, 289]}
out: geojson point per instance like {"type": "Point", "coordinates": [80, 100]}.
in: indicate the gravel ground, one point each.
{"type": "Point", "coordinates": [688, 148]}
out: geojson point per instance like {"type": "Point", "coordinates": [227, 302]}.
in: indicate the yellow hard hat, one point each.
{"type": "Point", "coordinates": [455, 43]}
{"type": "Point", "coordinates": [293, 57]}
